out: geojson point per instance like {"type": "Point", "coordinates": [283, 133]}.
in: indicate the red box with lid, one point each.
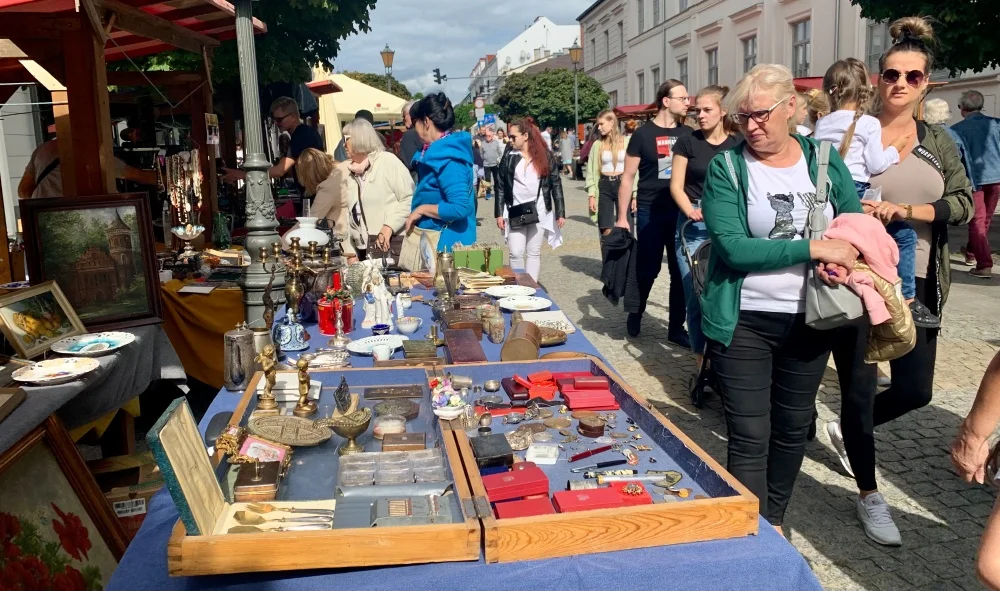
{"type": "Point", "coordinates": [566, 501]}
{"type": "Point", "coordinates": [536, 505]}
{"type": "Point", "coordinates": [524, 479]}
{"type": "Point", "coordinates": [589, 399]}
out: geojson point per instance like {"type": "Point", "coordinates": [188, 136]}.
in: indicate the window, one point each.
{"type": "Point", "coordinates": [593, 51]}
{"type": "Point", "coordinates": [656, 12]}
{"type": "Point", "coordinates": [640, 81]}
{"type": "Point", "coordinates": [878, 43]}
{"type": "Point", "coordinates": [749, 53]}
{"type": "Point", "coordinates": [621, 38]}
{"type": "Point", "coordinates": [682, 71]}
{"type": "Point", "coordinates": [613, 99]}
{"type": "Point", "coordinates": [801, 48]}
{"type": "Point", "coordinates": [642, 17]}
{"type": "Point", "coordinates": [712, 57]}
{"type": "Point", "coordinates": [683, 5]}
{"type": "Point", "coordinates": [656, 79]}
{"type": "Point", "coordinates": [607, 47]}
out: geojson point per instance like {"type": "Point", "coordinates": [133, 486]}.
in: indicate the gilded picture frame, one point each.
{"type": "Point", "coordinates": [33, 319]}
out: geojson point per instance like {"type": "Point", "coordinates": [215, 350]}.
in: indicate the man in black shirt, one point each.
{"type": "Point", "coordinates": [285, 112]}
{"type": "Point", "coordinates": [410, 143]}
{"type": "Point", "coordinates": [649, 153]}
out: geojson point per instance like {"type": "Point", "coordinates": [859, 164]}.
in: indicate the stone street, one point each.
{"type": "Point", "coordinates": [940, 517]}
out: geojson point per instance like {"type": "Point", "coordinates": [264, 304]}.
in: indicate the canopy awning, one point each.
{"type": "Point", "coordinates": [634, 111]}
{"type": "Point", "coordinates": [355, 96]}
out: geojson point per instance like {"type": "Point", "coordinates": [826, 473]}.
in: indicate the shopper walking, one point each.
{"type": "Point", "coordinates": [605, 166]}
{"type": "Point", "coordinates": [649, 154]}
{"type": "Point", "coordinates": [981, 137]}
{"type": "Point", "coordinates": [529, 206]}
{"type": "Point", "coordinates": [567, 146]}
{"type": "Point", "coordinates": [692, 155]}
{"type": "Point", "coordinates": [768, 362]}
{"type": "Point", "coordinates": [493, 148]}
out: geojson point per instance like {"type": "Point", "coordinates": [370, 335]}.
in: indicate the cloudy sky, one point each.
{"type": "Point", "coordinates": [446, 34]}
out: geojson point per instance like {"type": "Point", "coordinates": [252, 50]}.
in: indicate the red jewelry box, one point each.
{"type": "Point", "coordinates": [629, 500]}
{"type": "Point", "coordinates": [591, 383]}
{"type": "Point", "coordinates": [562, 375]}
{"type": "Point", "coordinates": [514, 390]}
{"type": "Point", "coordinates": [523, 480]}
{"type": "Point", "coordinates": [540, 505]}
{"type": "Point", "coordinates": [583, 399]}
{"type": "Point", "coordinates": [567, 501]}
{"type": "Point", "coordinates": [542, 391]}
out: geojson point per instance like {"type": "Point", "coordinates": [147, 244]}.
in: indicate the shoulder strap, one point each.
{"type": "Point", "coordinates": [823, 175]}
{"type": "Point", "coordinates": [361, 205]}
{"type": "Point", "coordinates": [46, 171]}
{"type": "Point", "coordinates": [732, 169]}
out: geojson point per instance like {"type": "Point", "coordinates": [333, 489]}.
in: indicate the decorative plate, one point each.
{"type": "Point", "coordinates": [56, 371]}
{"type": "Point", "coordinates": [364, 346]}
{"type": "Point", "coordinates": [289, 430]}
{"type": "Point", "coordinates": [92, 345]}
{"type": "Point", "coordinates": [508, 291]}
{"type": "Point", "coordinates": [552, 319]}
{"type": "Point", "coordinates": [524, 303]}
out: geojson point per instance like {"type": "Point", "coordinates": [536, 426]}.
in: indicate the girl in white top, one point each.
{"type": "Point", "coordinates": [605, 166]}
{"type": "Point", "coordinates": [856, 135]}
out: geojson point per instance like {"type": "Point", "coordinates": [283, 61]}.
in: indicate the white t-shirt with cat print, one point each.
{"type": "Point", "coordinates": [778, 203]}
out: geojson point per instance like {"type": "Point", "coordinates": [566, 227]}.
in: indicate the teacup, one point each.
{"type": "Point", "coordinates": [405, 301]}
{"type": "Point", "coordinates": [408, 324]}
{"type": "Point", "coordinates": [380, 329]}
{"type": "Point", "coordinates": [382, 352]}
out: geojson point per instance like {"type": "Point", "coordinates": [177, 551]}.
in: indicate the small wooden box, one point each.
{"type": "Point", "coordinates": [458, 319]}
{"type": "Point", "coordinates": [404, 441]}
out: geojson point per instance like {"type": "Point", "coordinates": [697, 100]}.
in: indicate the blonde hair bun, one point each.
{"type": "Point", "coordinates": [912, 27]}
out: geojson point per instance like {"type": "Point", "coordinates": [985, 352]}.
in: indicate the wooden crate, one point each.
{"type": "Point", "coordinates": [566, 534]}
{"type": "Point", "coordinates": [281, 551]}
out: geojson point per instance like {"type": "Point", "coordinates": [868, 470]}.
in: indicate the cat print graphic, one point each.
{"type": "Point", "coordinates": [784, 224]}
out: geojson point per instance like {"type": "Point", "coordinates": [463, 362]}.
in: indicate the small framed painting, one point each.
{"type": "Point", "coordinates": [34, 318]}
{"type": "Point", "coordinates": [101, 252]}
{"type": "Point", "coordinates": [55, 524]}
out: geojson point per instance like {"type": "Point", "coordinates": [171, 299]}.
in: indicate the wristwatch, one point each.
{"type": "Point", "coordinates": [909, 212]}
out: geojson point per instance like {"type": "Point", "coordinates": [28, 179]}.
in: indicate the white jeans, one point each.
{"type": "Point", "coordinates": [526, 241]}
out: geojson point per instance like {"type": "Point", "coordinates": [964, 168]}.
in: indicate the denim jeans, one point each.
{"type": "Point", "coordinates": [906, 241]}
{"type": "Point", "coordinates": [656, 231]}
{"type": "Point", "coordinates": [696, 234]}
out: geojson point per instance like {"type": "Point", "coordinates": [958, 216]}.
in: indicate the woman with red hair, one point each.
{"type": "Point", "coordinates": [529, 204]}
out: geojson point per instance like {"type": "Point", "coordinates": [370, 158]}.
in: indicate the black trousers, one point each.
{"type": "Point", "coordinates": [607, 202]}
{"type": "Point", "coordinates": [768, 377]}
{"type": "Point", "coordinates": [493, 176]}
{"type": "Point", "coordinates": [857, 399]}
{"type": "Point", "coordinates": [656, 232]}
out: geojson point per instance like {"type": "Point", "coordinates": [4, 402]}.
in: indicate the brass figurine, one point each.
{"type": "Point", "coordinates": [268, 364]}
{"type": "Point", "coordinates": [305, 407]}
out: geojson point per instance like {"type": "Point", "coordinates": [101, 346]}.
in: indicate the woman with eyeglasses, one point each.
{"type": "Point", "coordinates": [768, 362]}
{"type": "Point", "coordinates": [649, 154]}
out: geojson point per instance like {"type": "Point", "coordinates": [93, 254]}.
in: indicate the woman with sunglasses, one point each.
{"type": "Point", "coordinates": [768, 362]}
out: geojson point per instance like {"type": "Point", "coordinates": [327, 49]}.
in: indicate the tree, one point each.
{"type": "Point", "coordinates": [548, 97]}
{"type": "Point", "coordinates": [962, 28]}
{"type": "Point", "coordinates": [300, 34]}
{"type": "Point", "coordinates": [465, 115]}
{"type": "Point", "coordinates": [379, 81]}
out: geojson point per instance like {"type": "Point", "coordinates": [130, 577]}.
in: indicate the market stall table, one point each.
{"type": "Point", "coordinates": [122, 376]}
{"type": "Point", "coordinates": [195, 324]}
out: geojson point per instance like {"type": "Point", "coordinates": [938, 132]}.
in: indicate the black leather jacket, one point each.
{"type": "Point", "coordinates": [552, 193]}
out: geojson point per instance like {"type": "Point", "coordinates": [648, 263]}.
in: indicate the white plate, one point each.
{"type": "Point", "coordinates": [92, 345]}
{"type": "Point", "coordinates": [364, 346]}
{"type": "Point", "coordinates": [56, 371]}
{"type": "Point", "coordinates": [508, 291]}
{"type": "Point", "coordinates": [553, 319]}
{"type": "Point", "coordinates": [524, 304]}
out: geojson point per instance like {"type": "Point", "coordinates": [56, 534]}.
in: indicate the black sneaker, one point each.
{"type": "Point", "coordinates": [922, 316]}
{"type": "Point", "coordinates": [633, 324]}
{"type": "Point", "coordinates": [680, 338]}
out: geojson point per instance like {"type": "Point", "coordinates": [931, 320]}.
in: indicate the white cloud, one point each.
{"type": "Point", "coordinates": [447, 34]}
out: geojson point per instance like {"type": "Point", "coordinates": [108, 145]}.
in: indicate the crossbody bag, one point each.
{"type": "Point", "coordinates": [525, 214]}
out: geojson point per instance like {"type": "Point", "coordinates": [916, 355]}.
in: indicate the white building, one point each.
{"type": "Point", "coordinates": [538, 42]}
{"type": "Point", "coordinates": [630, 46]}
{"type": "Point", "coordinates": [20, 134]}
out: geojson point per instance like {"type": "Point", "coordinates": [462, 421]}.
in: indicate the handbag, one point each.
{"type": "Point", "coordinates": [418, 249]}
{"type": "Point", "coordinates": [827, 306]}
{"type": "Point", "coordinates": [525, 214]}
{"type": "Point", "coordinates": [395, 241]}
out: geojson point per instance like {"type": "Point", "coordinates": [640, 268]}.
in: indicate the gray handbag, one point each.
{"type": "Point", "coordinates": [827, 306]}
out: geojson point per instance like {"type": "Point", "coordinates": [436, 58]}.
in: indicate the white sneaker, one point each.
{"type": "Point", "coordinates": [837, 439]}
{"type": "Point", "coordinates": [874, 514]}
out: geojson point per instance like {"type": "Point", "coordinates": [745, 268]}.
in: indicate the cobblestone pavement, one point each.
{"type": "Point", "coordinates": [939, 516]}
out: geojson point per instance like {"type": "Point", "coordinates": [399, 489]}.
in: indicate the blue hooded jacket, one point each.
{"type": "Point", "coordinates": [446, 176]}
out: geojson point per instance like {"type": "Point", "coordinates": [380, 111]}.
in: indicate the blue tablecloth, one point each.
{"type": "Point", "coordinates": [765, 561]}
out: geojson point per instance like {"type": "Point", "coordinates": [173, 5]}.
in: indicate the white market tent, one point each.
{"type": "Point", "coordinates": [338, 109]}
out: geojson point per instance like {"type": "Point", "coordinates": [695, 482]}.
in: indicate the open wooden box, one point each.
{"type": "Point", "coordinates": [730, 511]}
{"type": "Point", "coordinates": [196, 546]}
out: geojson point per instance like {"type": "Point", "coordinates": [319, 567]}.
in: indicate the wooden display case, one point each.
{"type": "Point", "coordinates": [222, 553]}
{"type": "Point", "coordinates": [730, 511]}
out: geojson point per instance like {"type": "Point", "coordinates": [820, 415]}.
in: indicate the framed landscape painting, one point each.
{"type": "Point", "coordinates": [101, 252]}
{"type": "Point", "coordinates": [34, 318]}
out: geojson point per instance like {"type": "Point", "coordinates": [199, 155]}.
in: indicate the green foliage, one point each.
{"type": "Point", "coordinates": [962, 28]}
{"type": "Point", "coordinates": [465, 115]}
{"type": "Point", "coordinates": [379, 81]}
{"type": "Point", "coordinates": [300, 34]}
{"type": "Point", "coordinates": [548, 97]}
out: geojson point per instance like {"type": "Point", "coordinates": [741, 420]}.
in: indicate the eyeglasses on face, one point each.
{"type": "Point", "coordinates": [279, 118]}
{"type": "Point", "coordinates": [761, 116]}
{"type": "Point", "coordinates": [683, 99]}
{"type": "Point", "coordinates": [913, 78]}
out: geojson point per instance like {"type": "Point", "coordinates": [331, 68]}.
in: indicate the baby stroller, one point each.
{"type": "Point", "coordinates": [698, 262]}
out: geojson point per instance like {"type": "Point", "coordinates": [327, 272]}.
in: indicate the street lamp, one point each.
{"type": "Point", "coordinates": [387, 55]}
{"type": "Point", "coordinates": [576, 56]}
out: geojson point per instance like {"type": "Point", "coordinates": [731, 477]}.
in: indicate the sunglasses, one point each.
{"type": "Point", "coordinates": [759, 116]}
{"type": "Point", "coordinates": [913, 78]}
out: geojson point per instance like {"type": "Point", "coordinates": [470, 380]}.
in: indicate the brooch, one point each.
{"type": "Point", "coordinates": [632, 488]}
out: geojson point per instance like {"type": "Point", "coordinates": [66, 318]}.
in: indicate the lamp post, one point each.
{"type": "Point", "coordinates": [576, 56]}
{"type": "Point", "coordinates": [387, 55]}
{"type": "Point", "coordinates": [261, 223]}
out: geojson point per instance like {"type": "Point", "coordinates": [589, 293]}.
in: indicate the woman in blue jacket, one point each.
{"type": "Point", "coordinates": [444, 200]}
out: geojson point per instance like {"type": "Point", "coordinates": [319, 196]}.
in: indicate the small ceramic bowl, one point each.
{"type": "Point", "coordinates": [449, 412]}
{"type": "Point", "coordinates": [409, 324]}
{"type": "Point", "coordinates": [406, 301]}
{"type": "Point", "coordinates": [380, 329]}
{"type": "Point", "coordinates": [491, 386]}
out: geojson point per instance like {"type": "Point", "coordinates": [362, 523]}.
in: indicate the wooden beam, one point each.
{"type": "Point", "coordinates": [147, 25]}
{"type": "Point", "coordinates": [92, 17]}
{"type": "Point", "coordinates": [64, 132]}
{"type": "Point", "coordinates": [42, 75]}
{"type": "Point", "coordinates": [24, 25]}
{"type": "Point", "coordinates": [207, 28]}
{"type": "Point", "coordinates": [133, 78]}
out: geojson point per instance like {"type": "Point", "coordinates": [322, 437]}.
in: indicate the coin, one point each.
{"type": "Point", "coordinates": [518, 441]}
{"type": "Point", "coordinates": [557, 422]}
{"type": "Point", "coordinates": [592, 422]}
{"type": "Point", "coordinates": [584, 414]}
{"type": "Point", "coordinates": [565, 432]}
{"type": "Point", "coordinates": [542, 437]}
{"type": "Point", "coordinates": [533, 427]}
{"type": "Point", "coordinates": [544, 413]}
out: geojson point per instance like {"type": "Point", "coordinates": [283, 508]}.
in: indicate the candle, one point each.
{"type": "Point", "coordinates": [336, 280]}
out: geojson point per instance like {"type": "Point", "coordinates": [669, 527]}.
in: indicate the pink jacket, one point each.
{"type": "Point", "coordinates": [877, 248]}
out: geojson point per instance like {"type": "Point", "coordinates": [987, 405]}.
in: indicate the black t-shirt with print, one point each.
{"type": "Point", "coordinates": [654, 147]}
{"type": "Point", "coordinates": [699, 154]}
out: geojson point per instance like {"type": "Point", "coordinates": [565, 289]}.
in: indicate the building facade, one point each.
{"type": "Point", "coordinates": [631, 46]}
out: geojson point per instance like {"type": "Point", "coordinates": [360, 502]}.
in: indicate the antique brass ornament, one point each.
{"type": "Point", "coordinates": [350, 427]}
